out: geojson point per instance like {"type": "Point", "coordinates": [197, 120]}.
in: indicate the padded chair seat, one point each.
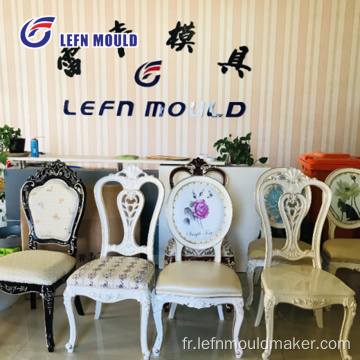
{"type": "Point", "coordinates": [302, 280]}
{"type": "Point", "coordinates": [115, 272]}
{"type": "Point", "coordinates": [41, 267]}
{"type": "Point", "coordinates": [198, 279]}
{"type": "Point", "coordinates": [343, 249]}
{"type": "Point", "coordinates": [256, 249]}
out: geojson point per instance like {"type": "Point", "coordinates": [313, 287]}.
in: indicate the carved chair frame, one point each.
{"type": "Point", "coordinates": [131, 179]}
{"type": "Point", "coordinates": [54, 170]}
{"type": "Point", "coordinates": [293, 208]}
{"type": "Point", "coordinates": [159, 300]}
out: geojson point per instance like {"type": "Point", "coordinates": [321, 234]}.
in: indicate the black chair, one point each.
{"type": "Point", "coordinates": [54, 202]}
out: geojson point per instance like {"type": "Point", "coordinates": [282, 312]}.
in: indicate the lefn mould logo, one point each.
{"type": "Point", "coordinates": [150, 68]}
{"type": "Point", "coordinates": [34, 25]}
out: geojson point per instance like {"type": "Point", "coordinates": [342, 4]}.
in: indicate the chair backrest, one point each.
{"type": "Point", "coordinates": [345, 204]}
{"type": "Point", "coordinates": [199, 213]}
{"type": "Point", "coordinates": [130, 202]}
{"type": "Point", "coordinates": [198, 167]}
{"type": "Point", "coordinates": [272, 195]}
{"type": "Point", "coordinates": [54, 203]}
{"type": "Point", "coordinates": [293, 206]}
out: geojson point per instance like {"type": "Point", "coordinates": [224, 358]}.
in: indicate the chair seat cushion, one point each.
{"type": "Point", "coordinates": [343, 249]}
{"type": "Point", "coordinates": [256, 249]}
{"type": "Point", "coordinates": [198, 279]}
{"type": "Point", "coordinates": [115, 272]}
{"type": "Point", "coordinates": [303, 281]}
{"type": "Point", "coordinates": [42, 267]}
{"type": "Point", "coordinates": [170, 250]}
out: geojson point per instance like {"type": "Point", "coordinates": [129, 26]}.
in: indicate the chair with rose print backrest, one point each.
{"type": "Point", "coordinates": [299, 284]}
{"type": "Point", "coordinates": [198, 167]}
{"type": "Point", "coordinates": [256, 249]}
{"type": "Point", "coordinates": [199, 214]}
{"type": "Point", "coordinates": [54, 202]}
{"type": "Point", "coordinates": [111, 279]}
{"type": "Point", "coordinates": [339, 252]}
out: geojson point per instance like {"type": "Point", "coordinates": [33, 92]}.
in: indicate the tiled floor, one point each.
{"type": "Point", "coordinates": [116, 334]}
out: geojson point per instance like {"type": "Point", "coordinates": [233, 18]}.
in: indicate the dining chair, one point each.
{"type": "Point", "coordinates": [305, 286]}
{"type": "Point", "coordinates": [199, 214]}
{"type": "Point", "coordinates": [256, 249]}
{"type": "Point", "coordinates": [198, 167]}
{"type": "Point", "coordinates": [54, 202]}
{"type": "Point", "coordinates": [110, 279]}
{"type": "Point", "coordinates": [339, 252]}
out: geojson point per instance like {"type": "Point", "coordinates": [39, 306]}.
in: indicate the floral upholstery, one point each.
{"type": "Point", "coordinates": [53, 209]}
{"type": "Point", "coordinates": [115, 272]}
{"type": "Point", "coordinates": [227, 253]}
{"type": "Point", "coordinates": [41, 267]}
{"type": "Point", "coordinates": [170, 250]}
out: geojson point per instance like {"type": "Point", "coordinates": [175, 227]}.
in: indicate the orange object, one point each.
{"type": "Point", "coordinates": [320, 165]}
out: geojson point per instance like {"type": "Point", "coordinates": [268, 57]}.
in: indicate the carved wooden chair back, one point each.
{"type": "Point", "coordinates": [293, 206]}
{"type": "Point", "coordinates": [130, 202]}
{"type": "Point", "coordinates": [272, 195]}
{"type": "Point", "coordinates": [199, 213]}
{"type": "Point", "coordinates": [197, 167]}
{"type": "Point", "coordinates": [53, 202]}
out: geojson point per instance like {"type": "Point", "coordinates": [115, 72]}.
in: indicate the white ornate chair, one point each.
{"type": "Point", "coordinates": [339, 252]}
{"type": "Point", "coordinates": [111, 279]}
{"type": "Point", "coordinates": [306, 286]}
{"type": "Point", "coordinates": [199, 214]}
{"type": "Point", "coordinates": [198, 167]}
{"type": "Point", "coordinates": [53, 201]}
{"type": "Point", "coordinates": [256, 249]}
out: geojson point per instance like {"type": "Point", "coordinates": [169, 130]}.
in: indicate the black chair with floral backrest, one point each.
{"type": "Point", "coordinates": [340, 252]}
{"type": "Point", "coordinates": [197, 167]}
{"type": "Point", "coordinates": [54, 202]}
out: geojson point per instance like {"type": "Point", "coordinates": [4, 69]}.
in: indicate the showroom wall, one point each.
{"type": "Point", "coordinates": [289, 73]}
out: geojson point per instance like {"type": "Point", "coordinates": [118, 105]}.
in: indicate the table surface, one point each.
{"type": "Point", "coordinates": [102, 159]}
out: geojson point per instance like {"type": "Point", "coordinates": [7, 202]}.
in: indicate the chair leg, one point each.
{"type": "Point", "coordinates": [349, 314]}
{"type": "Point", "coordinates": [270, 303]}
{"type": "Point", "coordinates": [78, 306]}
{"type": "Point", "coordinates": [172, 311]}
{"type": "Point", "coordinates": [238, 319]}
{"type": "Point", "coordinates": [33, 301]}
{"type": "Point", "coordinates": [220, 312]}
{"type": "Point", "coordinates": [250, 278]}
{"type": "Point", "coordinates": [98, 308]}
{"type": "Point", "coordinates": [145, 311]}
{"type": "Point", "coordinates": [257, 275]}
{"type": "Point", "coordinates": [260, 308]}
{"type": "Point", "coordinates": [157, 305]}
{"type": "Point", "coordinates": [48, 295]}
{"type": "Point", "coordinates": [69, 307]}
{"type": "Point", "coordinates": [319, 318]}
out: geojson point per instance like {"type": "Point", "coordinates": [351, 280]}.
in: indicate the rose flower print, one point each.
{"type": "Point", "coordinates": [198, 209]}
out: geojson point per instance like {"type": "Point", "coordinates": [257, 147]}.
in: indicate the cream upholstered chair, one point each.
{"type": "Point", "coordinates": [256, 249]}
{"type": "Point", "coordinates": [53, 201]}
{"type": "Point", "coordinates": [199, 214]}
{"type": "Point", "coordinates": [198, 167]}
{"type": "Point", "coordinates": [114, 278]}
{"type": "Point", "coordinates": [339, 252]}
{"type": "Point", "coordinates": [305, 286]}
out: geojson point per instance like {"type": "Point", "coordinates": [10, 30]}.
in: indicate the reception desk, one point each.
{"type": "Point", "coordinates": [246, 222]}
